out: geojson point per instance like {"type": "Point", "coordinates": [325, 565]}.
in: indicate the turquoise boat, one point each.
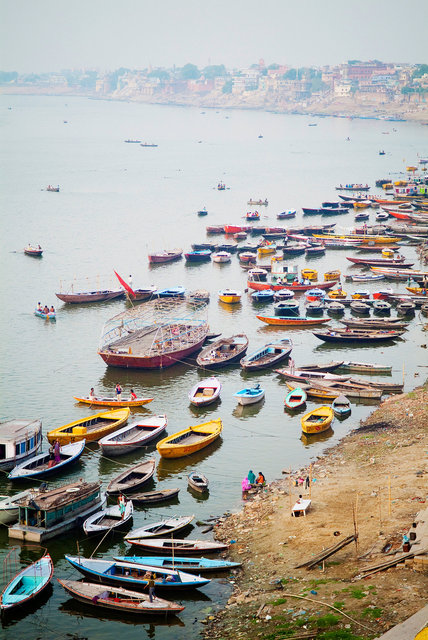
{"type": "Point", "coordinates": [250, 395]}
{"type": "Point", "coordinates": [27, 584]}
{"type": "Point", "coordinates": [191, 565]}
{"type": "Point", "coordinates": [295, 398]}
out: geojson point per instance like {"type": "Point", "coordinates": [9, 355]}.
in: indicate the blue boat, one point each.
{"type": "Point", "coordinates": [198, 256]}
{"type": "Point", "coordinates": [265, 295]}
{"type": "Point", "coordinates": [250, 395]}
{"type": "Point", "coordinates": [341, 406]}
{"type": "Point", "coordinates": [171, 292]}
{"type": "Point", "coordinates": [45, 316]}
{"type": "Point", "coordinates": [27, 584]}
{"type": "Point", "coordinates": [267, 356]}
{"type": "Point", "coordinates": [43, 465]}
{"type": "Point", "coordinates": [130, 573]}
{"type": "Point", "coordinates": [192, 565]}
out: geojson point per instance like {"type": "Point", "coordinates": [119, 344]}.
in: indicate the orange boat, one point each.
{"type": "Point", "coordinates": [292, 322]}
{"type": "Point", "coordinates": [112, 402]}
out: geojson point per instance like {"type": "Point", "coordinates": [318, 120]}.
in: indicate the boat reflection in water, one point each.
{"type": "Point", "coordinates": [315, 438]}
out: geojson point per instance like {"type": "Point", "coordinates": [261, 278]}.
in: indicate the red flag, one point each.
{"type": "Point", "coordinates": [125, 285]}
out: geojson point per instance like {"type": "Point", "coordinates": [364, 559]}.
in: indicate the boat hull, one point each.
{"type": "Point", "coordinates": [27, 585]}
{"type": "Point", "coordinates": [259, 286]}
{"type": "Point", "coordinates": [162, 361]}
{"type": "Point", "coordinates": [292, 322]}
{"type": "Point", "coordinates": [77, 430]}
{"type": "Point", "coordinates": [168, 449]}
{"type": "Point", "coordinates": [97, 296]}
{"type": "Point", "coordinates": [112, 402]}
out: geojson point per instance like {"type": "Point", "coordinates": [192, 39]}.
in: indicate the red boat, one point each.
{"type": "Point", "coordinates": [90, 296]}
{"type": "Point", "coordinates": [379, 262]}
{"type": "Point", "coordinates": [165, 256]}
{"type": "Point", "coordinates": [295, 286]}
{"type": "Point", "coordinates": [401, 215]}
{"type": "Point", "coordinates": [232, 228]}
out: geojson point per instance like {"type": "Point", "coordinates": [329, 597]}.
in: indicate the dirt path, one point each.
{"type": "Point", "coordinates": [377, 475]}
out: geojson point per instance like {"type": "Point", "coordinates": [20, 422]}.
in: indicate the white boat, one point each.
{"type": "Point", "coordinates": [19, 440]}
{"type": "Point", "coordinates": [42, 465]}
{"type": "Point", "coordinates": [133, 436]}
{"type": "Point", "coordinates": [162, 528]}
{"type": "Point", "coordinates": [205, 392]}
{"type": "Point", "coordinates": [221, 256]}
{"type": "Point", "coordinates": [250, 395]}
{"type": "Point", "coordinates": [9, 506]}
{"type": "Point", "coordinates": [108, 519]}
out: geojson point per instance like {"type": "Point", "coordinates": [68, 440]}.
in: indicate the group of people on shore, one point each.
{"type": "Point", "coordinates": [250, 481]}
{"type": "Point", "coordinates": [45, 309]}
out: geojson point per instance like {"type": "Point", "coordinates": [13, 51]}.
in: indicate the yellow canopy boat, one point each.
{"type": "Point", "coordinates": [229, 296]}
{"type": "Point", "coordinates": [317, 420]}
{"type": "Point", "coordinates": [90, 429]}
{"type": "Point", "coordinates": [112, 402]}
{"type": "Point", "coordinates": [267, 249]}
{"type": "Point", "coordinates": [309, 274]}
{"type": "Point", "coordinates": [190, 440]}
{"type": "Point", "coordinates": [337, 294]}
{"type": "Point", "coordinates": [364, 238]}
{"type": "Point", "coordinates": [332, 275]}
{"type": "Point", "coordinates": [361, 205]}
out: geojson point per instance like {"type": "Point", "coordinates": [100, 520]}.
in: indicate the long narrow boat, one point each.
{"type": "Point", "coordinates": [27, 584]}
{"type": "Point", "coordinates": [112, 402]}
{"type": "Point", "coordinates": [352, 390]}
{"type": "Point", "coordinates": [363, 239]}
{"type": "Point", "coordinates": [190, 565]}
{"type": "Point", "coordinates": [326, 366]}
{"type": "Point", "coordinates": [165, 256]}
{"type": "Point", "coordinates": [381, 262]}
{"type": "Point", "coordinates": [132, 478]}
{"type": "Point", "coordinates": [190, 440]}
{"type": "Point", "coordinates": [118, 598]}
{"type": "Point", "coordinates": [292, 322]}
{"type": "Point", "coordinates": [205, 392]}
{"type": "Point", "coordinates": [42, 465]}
{"type": "Point", "coordinates": [130, 573]}
{"type": "Point", "coordinates": [159, 529]}
{"type": "Point", "coordinates": [295, 398]}
{"type": "Point", "coordinates": [259, 285]}
{"type": "Point", "coordinates": [306, 374]}
{"type": "Point", "coordinates": [364, 367]}
{"type": "Point", "coordinates": [133, 436]}
{"type": "Point", "coordinates": [180, 546]}
{"type": "Point", "coordinates": [317, 390]}
{"type": "Point", "coordinates": [317, 420]}
{"type": "Point", "coordinates": [90, 429]}
{"type": "Point", "coordinates": [223, 352]}
{"type": "Point", "coordinates": [91, 296]}
{"type": "Point", "coordinates": [152, 497]}
{"type": "Point", "coordinates": [108, 519]}
{"type": "Point", "coordinates": [198, 482]}
{"type": "Point", "coordinates": [374, 323]}
{"type": "Point", "coordinates": [341, 406]}
{"type": "Point", "coordinates": [268, 356]}
{"type": "Point", "coordinates": [358, 336]}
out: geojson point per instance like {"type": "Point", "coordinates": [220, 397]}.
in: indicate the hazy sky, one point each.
{"type": "Point", "coordinates": [49, 35]}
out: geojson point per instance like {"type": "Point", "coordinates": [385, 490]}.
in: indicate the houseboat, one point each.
{"type": "Point", "coordinates": [19, 440]}
{"type": "Point", "coordinates": [47, 514]}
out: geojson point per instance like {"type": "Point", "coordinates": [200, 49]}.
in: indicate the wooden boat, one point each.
{"type": "Point", "coordinates": [159, 529]}
{"type": "Point", "coordinates": [198, 482]}
{"type": "Point", "coordinates": [199, 295]}
{"type": "Point", "coordinates": [332, 275]}
{"type": "Point", "coordinates": [198, 256]}
{"type": "Point", "coordinates": [223, 352]}
{"type": "Point", "coordinates": [291, 213]}
{"type": "Point", "coordinates": [165, 256]}
{"type": "Point", "coordinates": [266, 249]}
{"type": "Point", "coordinates": [335, 308]}
{"type": "Point", "coordinates": [406, 307]}
{"type": "Point", "coordinates": [133, 436]}
{"type": "Point", "coordinates": [361, 204]}
{"type": "Point", "coordinates": [217, 228]}
{"type": "Point", "coordinates": [337, 294]}
{"type": "Point", "coordinates": [259, 203]}
{"type": "Point", "coordinates": [152, 497]}
{"type": "Point", "coordinates": [317, 420]}
{"type": "Point", "coordinates": [118, 598]}
{"type": "Point", "coordinates": [418, 291]}
{"type": "Point", "coordinates": [374, 323]}
{"type": "Point", "coordinates": [191, 565]}
{"type": "Point", "coordinates": [309, 274]}
{"type": "Point", "coordinates": [9, 506]}
{"type": "Point", "coordinates": [293, 286]}
{"type": "Point", "coordinates": [252, 215]}
{"type": "Point", "coordinates": [381, 306]}
{"type": "Point", "coordinates": [315, 308]}
{"type": "Point", "coordinates": [205, 392]}
{"type": "Point", "coordinates": [360, 307]}
{"type": "Point", "coordinates": [283, 294]}
{"type": "Point", "coordinates": [222, 257]}
{"type": "Point", "coordinates": [327, 366]}
{"type": "Point", "coordinates": [353, 187]}
{"type": "Point", "coordinates": [314, 251]}
{"type": "Point", "coordinates": [286, 308]}
{"type": "Point", "coordinates": [130, 573]}
{"type": "Point", "coordinates": [295, 398]}
{"type": "Point", "coordinates": [362, 216]}
{"type": "Point", "coordinates": [341, 406]}
{"type": "Point", "coordinates": [90, 296]}
{"type": "Point", "coordinates": [171, 292]}
{"type": "Point", "coordinates": [367, 278]}
{"type": "Point", "coordinates": [362, 239]}
{"type": "Point", "coordinates": [19, 441]}
{"type": "Point", "coordinates": [142, 294]}
{"type": "Point", "coordinates": [326, 392]}
{"type": "Point", "coordinates": [357, 390]}
{"type": "Point", "coordinates": [268, 356]}
{"type": "Point", "coordinates": [292, 322]}
{"type": "Point", "coordinates": [112, 402]}
{"type": "Point", "coordinates": [250, 395]}
{"type": "Point", "coordinates": [267, 295]}
{"type": "Point", "coordinates": [302, 375]}
{"type": "Point", "coordinates": [41, 465]}
{"type": "Point", "coordinates": [355, 335]}
{"type": "Point", "coordinates": [90, 429]}
{"type": "Point", "coordinates": [148, 144]}
{"type": "Point", "coordinates": [53, 189]}
{"type": "Point", "coordinates": [202, 212]}
{"type": "Point", "coordinates": [108, 519]}
{"type": "Point", "coordinates": [180, 546]}
{"type": "Point", "coordinates": [132, 478]}
{"type": "Point", "coordinates": [229, 296]}
{"type": "Point", "coordinates": [133, 141]}
{"type": "Point", "coordinates": [190, 440]}
{"type": "Point", "coordinates": [360, 294]}
{"type": "Point", "coordinates": [33, 251]}
{"type": "Point", "coordinates": [46, 316]}
{"type": "Point", "coordinates": [381, 262]}
{"type": "Point", "coordinates": [233, 228]}
{"type": "Point", "coordinates": [45, 514]}
{"type": "Point", "coordinates": [27, 585]}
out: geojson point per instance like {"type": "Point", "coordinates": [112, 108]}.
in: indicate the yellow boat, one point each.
{"type": "Point", "coordinates": [317, 420]}
{"type": "Point", "coordinates": [310, 274]}
{"type": "Point", "coordinates": [190, 440]}
{"type": "Point", "coordinates": [401, 183]}
{"type": "Point", "coordinates": [266, 250]}
{"type": "Point", "coordinates": [363, 238]}
{"type": "Point", "coordinates": [387, 253]}
{"type": "Point", "coordinates": [337, 294]}
{"type": "Point", "coordinates": [229, 296]}
{"type": "Point", "coordinates": [90, 429]}
{"type": "Point", "coordinates": [313, 392]}
{"type": "Point", "coordinates": [361, 205]}
{"type": "Point", "coordinates": [112, 402]}
{"type": "Point", "coordinates": [387, 186]}
{"type": "Point", "coordinates": [332, 275]}
{"type": "Point", "coordinates": [411, 169]}
{"type": "Point", "coordinates": [418, 291]}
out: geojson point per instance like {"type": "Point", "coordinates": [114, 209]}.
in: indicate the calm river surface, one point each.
{"type": "Point", "coordinates": [117, 203]}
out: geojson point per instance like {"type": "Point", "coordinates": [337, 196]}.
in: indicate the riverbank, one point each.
{"type": "Point", "coordinates": [375, 482]}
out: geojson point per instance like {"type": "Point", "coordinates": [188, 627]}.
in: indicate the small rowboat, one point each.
{"type": "Point", "coordinates": [295, 321]}
{"type": "Point", "coordinates": [112, 402]}
{"type": "Point", "coordinates": [123, 573]}
{"type": "Point", "coordinates": [268, 356]}
{"type": "Point", "coordinates": [223, 352]}
{"type": "Point", "coordinates": [27, 584]}
{"type": "Point", "coordinates": [90, 429]}
{"type": "Point", "coordinates": [190, 440]}
{"type": "Point", "coordinates": [165, 256]}
{"type": "Point", "coordinates": [250, 395]}
{"type": "Point", "coordinates": [198, 256]}
{"type": "Point", "coordinates": [33, 251]}
{"type": "Point", "coordinates": [191, 565]}
{"type": "Point", "coordinates": [172, 292]}
{"type": "Point", "coordinates": [266, 295]}
{"type": "Point", "coordinates": [341, 406]}
{"type": "Point", "coordinates": [132, 478]}
{"type": "Point", "coordinates": [317, 420]}
{"type": "Point", "coordinates": [118, 598]}
{"type": "Point", "coordinates": [198, 482]}
{"type": "Point", "coordinates": [180, 546]}
{"type": "Point", "coordinates": [42, 465]}
{"type": "Point", "coordinates": [45, 316]}
{"type": "Point", "coordinates": [133, 436]}
{"type": "Point", "coordinates": [151, 497]}
{"type": "Point", "coordinates": [291, 213]}
{"type": "Point", "coordinates": [159, 529]}
{"type": "Point", "coordinates": [295, 398]}
{"type": "Point", "coordinates": [205, 392]}
{"type": "Point", "coordinates": [222, 257]}
{"type": "Point", "coordinates": [108, 519]}
{"type": "Point", "coordinates": [358, 335]}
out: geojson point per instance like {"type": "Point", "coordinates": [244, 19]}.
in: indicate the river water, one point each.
{"type": "Point", "coordinates": [117, 203]}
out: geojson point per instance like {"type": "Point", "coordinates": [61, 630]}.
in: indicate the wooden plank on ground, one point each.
{"type": "Point", "coordinates": [326, 553]}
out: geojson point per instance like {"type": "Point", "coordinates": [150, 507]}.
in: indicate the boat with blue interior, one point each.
{"type": "Point", "coordinates": [19, 441]}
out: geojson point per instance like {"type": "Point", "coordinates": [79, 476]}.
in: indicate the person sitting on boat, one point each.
{"type": "Point", "coordinates": [133, 396]}
{"type": "Point", "coordinates": [92, 394]}
{"type": "Point", "coordinates": [39, 307]}
{"type": "Point", "coordinates": [251, 477]}
{"type": "Point", "coordinates": [261, 479]}
{"type": "Point", "coordinates": [118, 392]}
{"type": "Point", "coordinates": [52, 310]}
{"type": "Point", "coordinates": [46, 309]}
